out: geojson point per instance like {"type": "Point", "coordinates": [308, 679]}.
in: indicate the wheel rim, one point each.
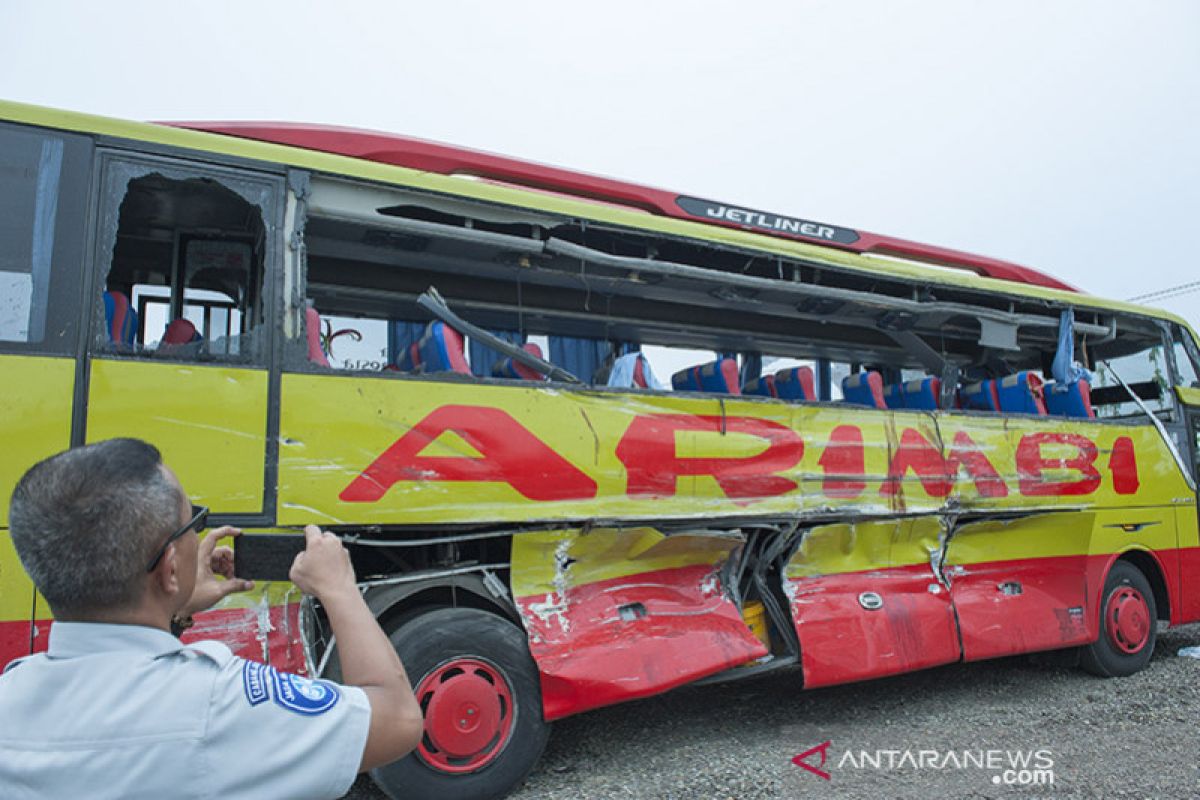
{"type": "Point", "coordinates": [469, 715]}
{"type": "Point", "coordinates": [1128, 619]}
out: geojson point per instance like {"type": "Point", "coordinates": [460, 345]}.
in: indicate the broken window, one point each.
{"type": "Point", "coordinates": [183, 263]}
{"type": "Point", "coordinates": [1139, 358]}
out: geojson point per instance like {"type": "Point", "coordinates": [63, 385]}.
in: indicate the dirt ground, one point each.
{"type": "Point", "coordinates": [1118, 738]}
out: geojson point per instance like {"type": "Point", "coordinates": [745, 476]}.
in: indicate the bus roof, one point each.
{"type": "Point", "coordinates": [442, 159]}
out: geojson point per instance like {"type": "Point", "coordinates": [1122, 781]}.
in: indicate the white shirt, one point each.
{"type": "Point", "coordinates": [126, 711]}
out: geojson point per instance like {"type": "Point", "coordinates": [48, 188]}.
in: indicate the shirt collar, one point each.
{"type": "Point", "coordinates": [74, 639]}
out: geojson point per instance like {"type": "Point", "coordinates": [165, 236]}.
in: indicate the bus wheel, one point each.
{"type": "Point", "coordinates": [478, 688]}
{"type": "Point", "coordinates": [1128, 625]}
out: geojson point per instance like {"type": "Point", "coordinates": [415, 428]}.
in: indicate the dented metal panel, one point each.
{"type": "Point", "coordinates": [617, 614]}
{"type": "Point", "coordinates": [416, 452]}
{"type": "Point", "coordinates": [867, 600]}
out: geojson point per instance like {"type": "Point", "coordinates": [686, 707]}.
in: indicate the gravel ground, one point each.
{"type": "Point", "coordinates": [1120, 738]}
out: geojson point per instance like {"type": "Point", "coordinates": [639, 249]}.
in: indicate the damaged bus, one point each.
{"type": "Point", "coordinates": [587, 441]}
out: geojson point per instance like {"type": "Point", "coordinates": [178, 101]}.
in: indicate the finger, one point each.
{"type": "Point", "coordinates": [208, 542]}
{"type": "Point", "coordinates": [311, 535]}
{"type": "Point", "coordinates": [226, 531]}
{"type": "Point", "coordinates": [222, 562]}
{"type": "Point", "coordinates": [233, 585]}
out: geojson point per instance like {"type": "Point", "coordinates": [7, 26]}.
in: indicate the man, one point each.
{"type": "Point", "coordinates": [119, 707]}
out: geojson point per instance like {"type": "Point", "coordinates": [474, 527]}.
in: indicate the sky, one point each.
{"type": "Point", "coordinates": [1059, 134]}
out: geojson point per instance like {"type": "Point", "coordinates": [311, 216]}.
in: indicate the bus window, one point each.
{"type": "Point", "coordinates": [185, 266]}
{"type": "Point", "coordinates": [41, 198]}
{"type": "Point", "coordinates": [1188, 374]}
{"type": "Point", "coordinates": [1141, 362]}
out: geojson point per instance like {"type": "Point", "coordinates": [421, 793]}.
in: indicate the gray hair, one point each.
{"type": "Point", "coordinates": [85, 523]}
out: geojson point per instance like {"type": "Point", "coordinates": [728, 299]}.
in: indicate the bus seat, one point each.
{"type": "Point", "coordinates": [761, 387]}
{"type": "Point", "coordinates": [120, 320]}
{"type": "Point", "coordinates": [796, 383]}
{"type": "Point", "coordinates": [410, 358]}
{"type": "Point", "coordinates": [922, 393]}
{"type": "Point", "coordinates": [1070, 399]}
{"type": "Point", "coordinates": [864, 389]}
{"type": "Point", "coordinates": [632, 371]}
{"type": "Point", "coordinates": [441, 349]}
{"type": "Point", "coordinates": [719, 376]}
{"type": "Point", "coordinates": [981, 396]}
{"type": "Point", "coordinates": [1021, 393]}
{"type": "Point", "coordinates": [510, 368]}
{"type": "Point", "coordinates": [312, 336]}
{"type": "Point", "coordinates": [181, 331]}
{"type": "Point", "coordinates": [893, 395]}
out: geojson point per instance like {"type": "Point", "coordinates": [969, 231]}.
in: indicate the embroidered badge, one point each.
{"type": "Point", "coordinates": [254, 681]}
{"type": "Point", "coordinates": [302, 695]}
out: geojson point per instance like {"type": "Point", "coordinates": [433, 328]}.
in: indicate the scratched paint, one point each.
{"type": "Point", "coordinates": [613, 615]}
{"type": "Point", "coordinates": [417, 452]}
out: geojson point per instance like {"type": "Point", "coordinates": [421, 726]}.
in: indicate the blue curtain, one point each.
{"type": "Point", "coordinates": [401, 334]}
{"type": "Point", "coordinates": [578, 356]}
{"type": "Point", "coordinates": [483, 358]}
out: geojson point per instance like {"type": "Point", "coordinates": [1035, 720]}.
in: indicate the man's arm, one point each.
{"type": "Point", "coordinates": [367, 657]}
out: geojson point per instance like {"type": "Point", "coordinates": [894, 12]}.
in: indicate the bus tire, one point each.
{"type": "Point", "coordinates": [478, 688]}
{"type": "Point", "coordinates": [1128, 625]}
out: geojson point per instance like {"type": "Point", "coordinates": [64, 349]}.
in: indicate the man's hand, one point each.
{"type": "Point", "coordinates": [323, 569]}
{"type": "Point", "coordinates": [212, 561]}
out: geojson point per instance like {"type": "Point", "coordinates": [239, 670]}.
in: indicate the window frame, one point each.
{"type": "Point", "coordinates": [64, 295]}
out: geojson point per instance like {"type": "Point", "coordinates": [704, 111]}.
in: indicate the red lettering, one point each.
{"type": "Point", "coordinates": [966, 454]}
{"type": "Point", "coordinates": [918, 454]}
{"type": "Point", "coordinates": [844, 462]}
{"type": "Point", "coordinates": [510, 454]}
{"type": "Point", "coordinates": [1123, 465]}
{"type": "Point", "coordinates": [1031, 464]}
{"type": "Point", "coordinates": [653, 466]}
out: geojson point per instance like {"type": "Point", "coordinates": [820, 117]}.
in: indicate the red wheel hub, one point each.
{"type": "Point", "coordinates": [468, 715]}
{"type": "Point", "coordinates": [1127, 619]}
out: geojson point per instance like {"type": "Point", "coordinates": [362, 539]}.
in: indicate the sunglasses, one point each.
{"type": "Point", "coordinates": [197, 523]}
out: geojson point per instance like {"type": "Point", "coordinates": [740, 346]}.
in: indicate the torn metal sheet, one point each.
{"type": "Point", "coordinates": [617, 614]}
{"type": "Point", "coordinates": [260, 625]}
{"type": "Point", "coordinates": [866, 600]}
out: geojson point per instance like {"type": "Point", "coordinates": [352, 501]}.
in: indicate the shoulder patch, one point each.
{"type": "Point", "coordinates": [254, 681]}
{"type": "Point", "coordinates": [302, 695]}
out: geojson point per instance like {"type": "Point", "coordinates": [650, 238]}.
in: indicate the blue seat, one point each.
{"type": "Point", "coordinates": [410, 358]}
{"type": "Point", "coordinates": [795, 383]}
{"type": "Point", "coordinates": [893, 395]}
{"type": "Point", "coordinates": [762, 387]}
{"type": "Point", "coordinates": [441, 350]}
{"type": "Point", "coordinates": [719, 376]}
{"type": "Point", "coordinates": [981, 396]}
{"type": "Point", "coordinates": [1070, 399]}
{"type": "Point", "coordinates": [922, 393]}
{"type": "Point", "coordinates": [1021, 393]}
{"type": "Point", "coordinates": [515, 370]}
{"type": "Point", "coordinates": [120, 320]}
{"type": "Point", "coordinates": [864, 389]}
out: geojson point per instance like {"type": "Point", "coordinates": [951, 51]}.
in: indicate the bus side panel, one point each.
{"type": "Point", "coordinates": [260, 625]}
{"type": "Point", "coordinates": [614, 615]}
{"type": "Point", "coordinates": [209, 422]}
{"type": "Point", "coordinates": [35, 422]}
{"type": "Point", "coordinates": [866, 601]}
{"type": "Point", "coordinates": [35, 415]}
{"type": "Point", "coordinates": [1150, 532]}
{"type": "Point", "coordinates": [1186, 603]}
{"type": "Point", "coordinates": [1021, 585]}
{"type": "Point", "coordinates": [16, 604]}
